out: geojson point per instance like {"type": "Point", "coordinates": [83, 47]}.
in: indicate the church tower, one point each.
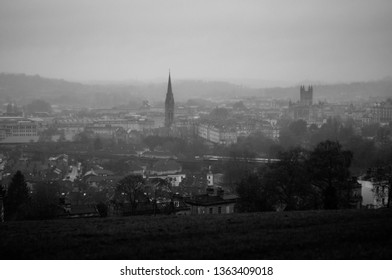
{"type": "Point", "coordinates": [169, 105]}
{"type": "Point", "coordinates": [306, 96]}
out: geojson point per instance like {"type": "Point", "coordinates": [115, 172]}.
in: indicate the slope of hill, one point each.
{"type": "Point", "coordinates": [18, 85]}
{"type": "Point", "coordinates": [23, 88]}
{"type": "Point", "coordinates": [349, 234]}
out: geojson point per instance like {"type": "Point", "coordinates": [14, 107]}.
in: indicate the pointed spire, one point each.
{"type": "Point", "coordinates": [169, 104]}
{"type": "Point", "coordinates": [169, 86]}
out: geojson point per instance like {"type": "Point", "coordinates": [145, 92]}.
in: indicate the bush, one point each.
{"type": "Point", "coordinates": [102, 209]}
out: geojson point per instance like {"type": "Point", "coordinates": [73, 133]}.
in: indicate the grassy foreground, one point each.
{"type": "Point", "coordinates": [350, 234]}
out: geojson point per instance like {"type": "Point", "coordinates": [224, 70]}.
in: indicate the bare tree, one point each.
{"type": "Point", "coordinates": [130, 189]}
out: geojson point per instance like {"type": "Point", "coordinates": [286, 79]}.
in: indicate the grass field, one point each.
{"type": "Point", "coordinates": [350, 234]}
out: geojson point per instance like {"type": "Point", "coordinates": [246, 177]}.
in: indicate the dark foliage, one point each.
{"type": "Point", "coordinates": [45, 201]}
{"type": "Point", "coordinates": [329, 169]}
{"type": "Point", "coordinates": [130, 190]}
{"type": "Point", "coordinates": [38, 105]}
{"type": "Point", "coordinates": [239, 106]}
{"type": "Point", "coordinates": [254, 145]}
{"type": "Point", "coordinates": [17, 198]}
{"type": "Point", "coordinates": [254, 196]}
{"type": "Point", "coordinates": [300, 180]}
{"type": "Point", "coordinates": [102, 209]}
{"type": "Point", "coordinates": [219, 114]}
{"type": "Point", "coordinates": [98, 144]}
{"type": "Point", "coordinates": [172, 144]}
{"type": "Point", "coordinates": [290, 181]}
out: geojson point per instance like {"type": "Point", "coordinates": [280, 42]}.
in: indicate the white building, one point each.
{"type": "Point", "coordinates": [18, 130]}
{"type": "Point", "coordinates": [217, 135]}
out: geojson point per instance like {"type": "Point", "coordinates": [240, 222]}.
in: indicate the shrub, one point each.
{"type": "Point", "coordinates": [102, 209]}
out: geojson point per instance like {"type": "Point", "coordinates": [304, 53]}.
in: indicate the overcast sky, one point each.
{"type": "Point", "coordinates": [329, 40]}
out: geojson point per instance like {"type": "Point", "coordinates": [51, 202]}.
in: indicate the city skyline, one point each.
{"type": "Point", "coordinates": [245, 42]}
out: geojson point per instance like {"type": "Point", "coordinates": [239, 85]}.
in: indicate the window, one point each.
{"type": "Point", "coordinates": [219, 210]}
{"type": "Point", "coordinates": [210, 210]}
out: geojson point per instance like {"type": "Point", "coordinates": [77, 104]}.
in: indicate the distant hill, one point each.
{"type": "Point", "coordinates": [20, 85]}
{"type": "Point", "coordinates": [24, 88]}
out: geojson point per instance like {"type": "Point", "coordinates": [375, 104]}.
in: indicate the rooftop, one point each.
{"type": "Point", "coordinates": [208, 200]}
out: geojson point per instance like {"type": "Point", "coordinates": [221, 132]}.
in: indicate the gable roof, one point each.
{"type": "Point", "coordinates": [98, 172]}
{"type": "Point", "coordinates": [208, 200]}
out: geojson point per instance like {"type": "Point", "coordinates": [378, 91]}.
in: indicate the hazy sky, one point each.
{"type": "Point", "coordinates": [330, 40]}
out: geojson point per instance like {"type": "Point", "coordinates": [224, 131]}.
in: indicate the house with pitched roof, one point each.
{"type": "Point", "coordinates": [213, 202]}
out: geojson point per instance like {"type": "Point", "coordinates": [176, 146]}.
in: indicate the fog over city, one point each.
{"type": "Point", "coordinates": [194, 130]}
{"type": "Point", "coordinates": [276, 42]}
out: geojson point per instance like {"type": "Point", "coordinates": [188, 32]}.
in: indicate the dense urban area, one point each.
{"type": "Point", "coordinates": [194, 157]}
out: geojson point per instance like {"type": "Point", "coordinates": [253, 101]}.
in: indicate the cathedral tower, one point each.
{"type": "Point", "coordinates": [306, 96]}
{"type": "Point", "coordinates": [169, 105]}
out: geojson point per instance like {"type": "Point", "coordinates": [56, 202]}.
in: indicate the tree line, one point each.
{"type": "Point", "coordinates": [301, 180]}
{"type": "Point", "coordinates": [20, 203]}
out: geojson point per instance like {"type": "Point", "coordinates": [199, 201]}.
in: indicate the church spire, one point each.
{"type": "Point", "coordinates": [169, 86]}
{"type": "Point", "coordinates": [169, 105]}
